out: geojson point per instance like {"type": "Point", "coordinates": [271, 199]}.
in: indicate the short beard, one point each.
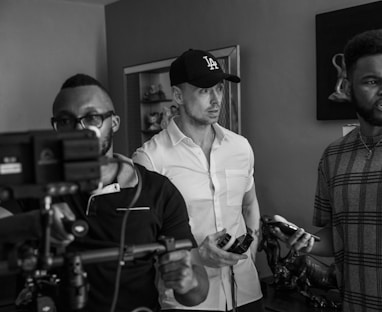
{"type": "Point", "coordinates": [197, 121]}
{"type": "Point", "coordinates": [365, 113]}
{"type": "Point", "coordinates": [106, 143]}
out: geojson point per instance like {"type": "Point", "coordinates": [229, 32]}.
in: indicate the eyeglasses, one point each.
{"type": "Point", "coordinates": [70, 123]}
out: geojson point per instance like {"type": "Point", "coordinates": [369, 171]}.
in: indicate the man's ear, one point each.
{"type": "Point", "coordinates": [177, 95]}
{"type": "Point", "coordinates": [115, 122]}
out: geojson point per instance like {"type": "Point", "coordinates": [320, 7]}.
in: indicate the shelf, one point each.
{"type": "Point", "coordinates": [155, 101]}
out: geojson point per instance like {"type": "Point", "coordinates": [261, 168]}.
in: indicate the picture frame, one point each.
{"type": "Point", "coordinates": [333, 30]}
{"type": "Point", "coordinates": [140, 79]}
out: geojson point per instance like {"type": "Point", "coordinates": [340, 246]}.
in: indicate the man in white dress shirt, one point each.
{"type": "Point", "coordinates": [213, 169]}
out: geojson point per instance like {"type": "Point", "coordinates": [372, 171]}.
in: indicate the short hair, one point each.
{"type": "Point", "coordinates": [364, 44]}
{"type": "Point", "coordinates": [82, 80]}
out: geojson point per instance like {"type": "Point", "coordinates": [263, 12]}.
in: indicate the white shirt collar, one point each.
{"type": "Point", "coordinates": [176, 135]}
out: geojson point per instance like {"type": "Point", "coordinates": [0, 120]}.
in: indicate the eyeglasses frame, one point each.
{"type": "Point", "coordinates": [103, 116]}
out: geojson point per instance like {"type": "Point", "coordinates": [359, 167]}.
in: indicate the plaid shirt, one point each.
{"type": "Point", "coordinates": [349, 199]}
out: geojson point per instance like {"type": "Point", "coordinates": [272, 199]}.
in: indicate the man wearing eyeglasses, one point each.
{"type": "Point", "coordinates": [80, 107]}
{"type": "Point", "coordinates": [159, 211]}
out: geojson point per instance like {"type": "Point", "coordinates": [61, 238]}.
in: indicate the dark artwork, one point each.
{"type": "Point", "coordinates": [333, 30]}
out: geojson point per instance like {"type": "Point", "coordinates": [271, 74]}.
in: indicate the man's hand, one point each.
{"type": "Point", "coordinates": [59, 235]}
{"type": "Point", "coordinates": [299, 241]}
{"type": "Point", "coordinates": [186, 277]}
{"type": "Point", "coordinates": [213, 256]}
{"type": "Point", "coordinates": [177, 271]}
{"type": "Point", "coordinates": [27, 225]}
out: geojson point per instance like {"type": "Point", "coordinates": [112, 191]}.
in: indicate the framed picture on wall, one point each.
{"type": "Point", "coordinates": [148, 96]}
{"type": "Point", "coordinates": [333, 30]}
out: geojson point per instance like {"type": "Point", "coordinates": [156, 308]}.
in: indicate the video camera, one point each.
{"type": "Point", "coordinates": [46, 162]}
{"type": "Point", "coordinates": [43, 164]}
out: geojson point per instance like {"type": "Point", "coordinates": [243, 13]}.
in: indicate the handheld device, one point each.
{"type": "Point", "coordinates": [289, 229]}
{"type": "Point", "coordinates": [236, 245]}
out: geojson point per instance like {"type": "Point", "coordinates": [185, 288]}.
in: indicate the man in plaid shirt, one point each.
{"type": "Point", "coordinates": [348, 201]}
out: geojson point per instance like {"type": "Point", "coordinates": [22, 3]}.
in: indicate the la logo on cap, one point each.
{"type": "Point", "coordinates": [211, 63]}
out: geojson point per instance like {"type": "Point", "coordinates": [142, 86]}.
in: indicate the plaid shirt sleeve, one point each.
{"type": "Point", "coordinates": [322, 208]}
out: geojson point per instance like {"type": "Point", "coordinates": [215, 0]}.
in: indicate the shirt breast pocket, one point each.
{"type": "Point", "coordinates": [236, 185]}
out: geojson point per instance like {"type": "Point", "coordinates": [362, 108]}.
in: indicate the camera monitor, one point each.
{"type": "Point", "coordinates": [46, 162]}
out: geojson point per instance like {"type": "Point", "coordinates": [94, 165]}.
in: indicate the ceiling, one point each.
{"type": "Point", "coordinates": [95, 2]}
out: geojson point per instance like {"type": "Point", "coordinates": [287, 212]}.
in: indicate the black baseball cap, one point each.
{"type": "Point", "coordinates": [199, 68]}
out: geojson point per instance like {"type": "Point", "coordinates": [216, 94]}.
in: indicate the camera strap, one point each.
{"type": "Point", "coordinates": [233, 290]}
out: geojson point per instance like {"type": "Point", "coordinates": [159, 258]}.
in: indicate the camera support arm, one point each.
{"type": "Point", "coordinates": [45, 258]}
{"type": "Point", "coordinates": [131, 252]}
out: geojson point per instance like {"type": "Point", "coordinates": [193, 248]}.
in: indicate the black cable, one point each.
{"type": "Point", "coordinates": [123, 232]}
{"type": "Point", "coordinates": [233, 290]}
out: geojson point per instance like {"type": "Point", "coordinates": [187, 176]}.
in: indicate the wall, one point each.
{"type": "Point", "coordinates": [42, 43]}
{"type": "Point", "coordinates": [277, 41]}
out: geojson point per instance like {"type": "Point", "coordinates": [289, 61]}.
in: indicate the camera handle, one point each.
{"type": "Point", "coordinates": [74, 286]}
{"type": "Point", "coordinates": [45, 259]}
{"type": "Point", "coordinates": [40, 302]}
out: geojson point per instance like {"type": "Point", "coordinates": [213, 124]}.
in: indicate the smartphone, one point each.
{"type": "Point", "coordinates": [289, 229]}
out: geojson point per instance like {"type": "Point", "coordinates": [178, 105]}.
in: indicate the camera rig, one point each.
{"type": "Point", "coordinates": [41, 286]}
{"type": "Point", "coordinates": [43, 164]}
